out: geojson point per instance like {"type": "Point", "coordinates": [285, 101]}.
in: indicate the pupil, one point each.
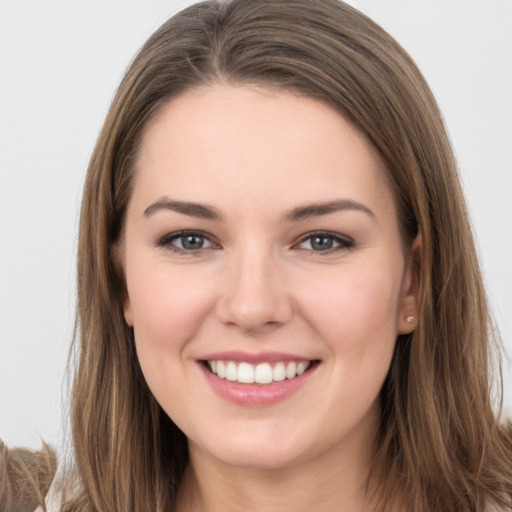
{"type": "Point", "coordinates": [321, 243]}
{"type": "Point", "coordinates": [192, 242]}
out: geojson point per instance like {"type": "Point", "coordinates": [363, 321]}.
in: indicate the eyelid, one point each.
{"type": "Point", "coordinates": [344, 242]}
{"type": "Point", "coordinates": [166, 240]}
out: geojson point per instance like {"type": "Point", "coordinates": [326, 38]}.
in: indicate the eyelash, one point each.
{"type": "Point", "coordinates": [343, 242]}
{"type": "Point", "coordinates": [167, 241]}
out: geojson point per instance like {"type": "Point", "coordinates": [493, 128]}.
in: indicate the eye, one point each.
{"type": "Point", "coordinates": [185, 241]}
{"type": "Point", "coordinates": [325, 242]}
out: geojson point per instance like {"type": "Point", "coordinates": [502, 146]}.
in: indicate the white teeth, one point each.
{"type": "Point", "coordinates": [279, 372]}
{"type": "Point", "coordinates": [291, 370]}
{"type": "Point", "coordinates": [221, 370]}
{"type": "Point", "coordinates": [263, 373]}
{"type": "Point", "coordinates": [302, 367]}
{"type": "Point", "coordinates": [231, 371]}
{"type": "Point", "coordinates": [245, 373]}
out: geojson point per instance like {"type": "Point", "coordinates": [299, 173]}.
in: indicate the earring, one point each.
{"type": "Point", "coordinates": [410, 319]}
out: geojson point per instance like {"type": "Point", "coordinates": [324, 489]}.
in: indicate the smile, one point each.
{"type": "Point", "coordinates": [262, 373]}
{"type": "Point", "coordinates": [257, 380]}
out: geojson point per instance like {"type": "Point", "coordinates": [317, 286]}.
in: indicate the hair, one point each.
{"type": "Point", "coordinates": [440, 445]}
{"type": "Point", "coordinates": [25, 477]}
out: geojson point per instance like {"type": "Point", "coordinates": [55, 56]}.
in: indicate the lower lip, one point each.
{"type": "Point", "coordinates": [256, 394]}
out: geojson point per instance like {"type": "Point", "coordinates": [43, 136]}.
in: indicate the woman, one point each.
{"type": "Point", "coordinates": [280, 306]}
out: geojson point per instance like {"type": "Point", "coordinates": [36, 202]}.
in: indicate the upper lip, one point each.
{"type": "Point", "coordinates": [254, 358]}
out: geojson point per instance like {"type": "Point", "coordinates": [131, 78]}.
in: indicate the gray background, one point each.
{"type": "Point", "coordinates": [60, 62]}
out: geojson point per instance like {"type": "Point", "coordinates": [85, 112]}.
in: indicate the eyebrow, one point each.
{"type": "Point", "coordinates": [316, 210]}
{"type": "Point", "coordinates": [200, 211]}
{"type": "Point", "coordinates": [203, 211]}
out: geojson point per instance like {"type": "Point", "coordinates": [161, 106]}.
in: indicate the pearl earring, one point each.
{"type": "Point", "coordinates": [410, 319]}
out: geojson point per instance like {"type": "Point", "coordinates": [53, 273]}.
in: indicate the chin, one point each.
{"type": "Point", "coordinates": [258, 458]}
{"type": "Point", "coordinates": [269, 451]}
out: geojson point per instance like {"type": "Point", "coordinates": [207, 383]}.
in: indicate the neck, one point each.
{"type": "Point", "coordinates": [335, 480]}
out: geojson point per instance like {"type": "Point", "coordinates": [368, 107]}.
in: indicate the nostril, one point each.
{"type": "Point", "coordinates": [253, 313]}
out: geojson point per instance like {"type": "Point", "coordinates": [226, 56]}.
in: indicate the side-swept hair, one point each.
{"type": "Point", "coordinates": [440, 447]}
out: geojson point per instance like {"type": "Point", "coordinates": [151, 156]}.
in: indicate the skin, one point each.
{"type": "Point", "coordinates": [259, 285]}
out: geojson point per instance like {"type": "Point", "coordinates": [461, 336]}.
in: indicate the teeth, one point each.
{"type": "Point", "coordinates": [245, 373]}
{"type": "Point", "coordinates": [291, 370]}
{"type": "Point", "coordinates": [231, 371]}
{"type": "Point", "coordinates": [302, 367]}
{"type": "Point", "coordinates": [279, 372]}
{"type": "Point", "coordinates": [263, 373]}
{"type": "Point", "coordinates": [221, 370]}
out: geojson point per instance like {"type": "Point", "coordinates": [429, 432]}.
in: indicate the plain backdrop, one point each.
{"type": "Point", "coordinates": [60, 63]}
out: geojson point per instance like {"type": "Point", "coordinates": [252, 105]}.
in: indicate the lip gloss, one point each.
{"type": "Point", "coordinates": [256, 394]}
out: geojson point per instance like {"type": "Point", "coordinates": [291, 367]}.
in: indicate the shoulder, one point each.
{"type": "Point", "coordinates": [52, 503]}
{"type": "Point", "coordinates": [53, 500]}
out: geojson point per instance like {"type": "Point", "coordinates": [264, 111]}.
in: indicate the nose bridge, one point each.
{"type": "Point", "coordinates": [254, 294]}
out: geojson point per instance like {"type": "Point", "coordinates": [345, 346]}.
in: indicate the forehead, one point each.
{"type": "Point", "coordinates": [252, 144]}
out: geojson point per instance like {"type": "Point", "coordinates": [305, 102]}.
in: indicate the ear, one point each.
{"type": "Point", "coordinates": [409, 309]}
{"type": "Point", "coordinates": [127, 310]}
{"type": "Point", "coordinates": [116, 254]}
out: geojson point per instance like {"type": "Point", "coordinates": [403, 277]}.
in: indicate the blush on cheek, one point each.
{"type": "Point", "coordinates": [363, 308]}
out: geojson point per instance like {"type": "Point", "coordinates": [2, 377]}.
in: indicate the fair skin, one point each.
{"type": "Point", "coordinates": [291, 255]}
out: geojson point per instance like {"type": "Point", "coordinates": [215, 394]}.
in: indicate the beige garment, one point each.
{"type": "Point", "coordinates": [52, 502]}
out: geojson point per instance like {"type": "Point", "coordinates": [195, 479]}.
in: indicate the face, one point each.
{"type": "Point", "coordinates": [266, 280]}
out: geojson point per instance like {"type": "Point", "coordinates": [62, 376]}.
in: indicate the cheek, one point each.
{"type": "Point", "coordinates": [167, 308]}
{"type": "Point", "coordinates": [355, 310]}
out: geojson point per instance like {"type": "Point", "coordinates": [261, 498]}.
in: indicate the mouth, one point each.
{"type": "Point", "coordinates": [264, 373]}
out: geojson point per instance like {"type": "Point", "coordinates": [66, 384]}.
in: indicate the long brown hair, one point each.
{"type": "Point", "coordinates": [440, 445]}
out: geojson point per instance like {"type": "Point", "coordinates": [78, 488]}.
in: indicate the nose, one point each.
{"type": "Point", "coordinates": [254, 295]}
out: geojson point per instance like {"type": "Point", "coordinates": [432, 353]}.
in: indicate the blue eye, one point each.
{"type": "Point", "coordinates": [325, 242]}
{"type": "Point", "coordinates": [185, 241]}
{"type": "Point", "coordinates": [190, 242]}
